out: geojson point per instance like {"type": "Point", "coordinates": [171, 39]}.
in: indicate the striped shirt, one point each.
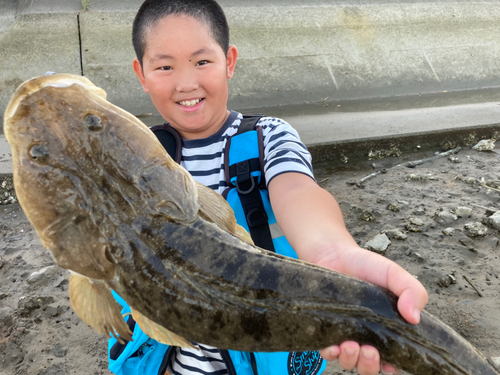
{"type": "Point", "coordinates": [203, 360]}
{"type": "Point", "coordinates": [283, 152]}
{"type": "Point", "coordinates": [204, 160]}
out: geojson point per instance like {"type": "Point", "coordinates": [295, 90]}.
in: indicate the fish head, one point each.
{"type": "Point", "coordinates": [78, 164]}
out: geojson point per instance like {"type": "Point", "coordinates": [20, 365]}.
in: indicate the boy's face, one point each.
{"type": "Point", "coordinates": [185, 72]}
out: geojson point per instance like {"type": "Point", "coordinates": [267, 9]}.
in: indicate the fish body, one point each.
{"type": "Point", "coordinates": [113, 208]}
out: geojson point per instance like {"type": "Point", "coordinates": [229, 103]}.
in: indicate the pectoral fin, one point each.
{"type": "Point", "coordinates": [243, 235]}
{"type": "Point", "coordinates": [214, 208]}
{"type": "Point", "coordinates": [94, 304]}
{"type": "Point", "coordinates": [158, 332]}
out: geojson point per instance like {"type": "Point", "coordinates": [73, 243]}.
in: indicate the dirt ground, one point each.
{"type": "Point", "coordinates": [41, 335]}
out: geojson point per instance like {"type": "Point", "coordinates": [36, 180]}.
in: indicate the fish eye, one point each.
{"type": "Point", "coordinates": [39, 152]}
{"type": "Point", "coordinates": [93, 122]}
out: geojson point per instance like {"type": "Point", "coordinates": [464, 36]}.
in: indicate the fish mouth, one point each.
{"type": "Point", "coordinates": [31, 86]}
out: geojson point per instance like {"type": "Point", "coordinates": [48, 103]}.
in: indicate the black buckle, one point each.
{"type": "Point", "coordinates": [256, 217]}
{"type": "Point", "coordinates": [240, 190]}
{"type": "Point", "coordinates": [243, 176]}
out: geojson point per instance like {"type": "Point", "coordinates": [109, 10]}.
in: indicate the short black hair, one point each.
{"type": "Point", "coordinates": [206, 11]}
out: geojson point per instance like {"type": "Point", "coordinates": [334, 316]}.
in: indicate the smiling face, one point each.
{"type": "Point", "coordinates": [185, 71]}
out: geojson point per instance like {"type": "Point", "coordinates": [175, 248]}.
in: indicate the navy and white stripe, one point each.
{"type": "Point", "coordinates": [202, 360]}
{"type": "Point", "coordinates": [283, 152]}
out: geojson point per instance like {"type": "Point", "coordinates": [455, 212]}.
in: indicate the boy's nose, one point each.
{"type": "Point", "coordinates": [186, 82]}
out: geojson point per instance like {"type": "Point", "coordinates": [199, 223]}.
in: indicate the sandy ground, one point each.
{"type": "Point", "coordinates": [40, 334]}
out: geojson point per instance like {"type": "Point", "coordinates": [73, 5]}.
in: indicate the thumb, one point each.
{"type": "Point", "coordinates": [411, 303]}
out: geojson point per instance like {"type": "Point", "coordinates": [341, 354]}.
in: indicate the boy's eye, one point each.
{"type": "Point", "coordinates": [202, 62]}
{"type": "Point", "coordinates": [165, 68]}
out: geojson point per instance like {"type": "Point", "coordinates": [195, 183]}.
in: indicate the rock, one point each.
{"type": "Point", "coordinates": [12, 250]}
{"type": "Point", "coordinates": [18, 261]}
{"type": "Point", "coordinates": [62, 309]}
{"type": "Point", "coordinates": [475, 229]}
{"type": "Point", "coordinates": [413, 228]}
{"type": "Point", "coordinates": [5, 313]}
{"type": "Point", "coordinates": [493, 221]}
{"type": "Point", "coordinates": [420, 210]}
{"type": "Point", "coordinates": [52, 311]}
{"type": "Point", "coordinates": [384, 153]}
{"type": "Point", "coordinates": [7, 193]}
{"type": "Point", "coordinates": [418, 177]}
{"type": "Point", "coordinates": [496, 362]}
{"type": "Point", "coordinates": [44, 276]}
{"type": "Point", "coordinates": [27, 305]}
{"type": "Point", "coordinates": [379, 243]}
{"type": "Point", "coordinates": [368, 215]}
{"type": "Point", "coordinates": [59, 350]}
{"type": "Point", "coordinates": [462, 211]}
{"type": "Point", "coordinates": [2, 262]}
{"type": "Point", "coordinates": [490, 241]}
{"type": "Point", "coordinates": [419, 257]}
{"type": "Point", "coordinates": [448, 231]}
{"type": "Point", "coordinates": [468, 243]}
{"type": "Point", "coordinates": [464, 240]}
{"type": "Point", "coordinates": [395, 234]}
{"type": "Point", "coordinates": [485, 145]}
{"type": "Point", "coordinates": [416, 221]}
{"type": "Point", "coordinates": [393, 207]}
{"type": "Point", "coordinates": [467, 180]}
{"type": "Point", "coordinates": [447, 281]}
{"type": "Point", "coordinates": [445, 217]}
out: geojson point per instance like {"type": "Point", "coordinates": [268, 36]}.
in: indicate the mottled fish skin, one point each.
{"type": "Point", "coordinates": [111, 205]}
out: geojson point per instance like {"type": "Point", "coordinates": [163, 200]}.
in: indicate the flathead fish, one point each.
{"type": "Point", "coordinates": [113, 208]}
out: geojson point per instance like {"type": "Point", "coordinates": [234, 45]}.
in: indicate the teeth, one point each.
{"type": "Point", "coordinates": [189, 103]}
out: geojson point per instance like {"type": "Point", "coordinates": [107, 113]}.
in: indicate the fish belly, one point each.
{"type": "Point", "coordinates": [209, 287]}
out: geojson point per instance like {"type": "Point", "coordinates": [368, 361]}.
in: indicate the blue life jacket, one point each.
{"type": "Point", "coordinates": [249, 199]}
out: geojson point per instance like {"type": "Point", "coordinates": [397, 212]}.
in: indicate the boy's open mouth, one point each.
{"type": "Point", "coordinates": [190, 103]}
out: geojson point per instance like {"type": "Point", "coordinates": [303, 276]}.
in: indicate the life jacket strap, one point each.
{"type": "Point", "coordinates": [243, 175]}
{"type": "Point", "coordinates": [170, 140]}
{"type": "Point", "coordinates": [247, 176]}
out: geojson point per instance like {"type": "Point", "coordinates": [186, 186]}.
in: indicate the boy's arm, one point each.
{"type": "Point", "coordinates": [313, 224]}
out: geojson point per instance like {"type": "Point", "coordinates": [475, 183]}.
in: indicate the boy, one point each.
{"type": "Point", "coordinates": [184, 61]}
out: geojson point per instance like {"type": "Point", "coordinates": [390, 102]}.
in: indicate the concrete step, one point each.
{"type": "Point", "coordinates": [343, 130]}
{"type": "Point", "coordinates": [291, 52]}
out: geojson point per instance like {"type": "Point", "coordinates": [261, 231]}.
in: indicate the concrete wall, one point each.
{"type": "Point", "coordinates": [291, 52]}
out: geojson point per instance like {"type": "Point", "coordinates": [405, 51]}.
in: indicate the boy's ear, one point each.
{"type": "Point", "coordinates": [136, 65]}
{"type": "Point", "coordinates": [232, 56]}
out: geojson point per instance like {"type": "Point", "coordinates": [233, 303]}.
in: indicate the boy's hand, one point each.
{"type": "Point", "coordinates": [313, 224]}
{"type": "Point", "coordinates": [364, 358]}
{"type": "Point", "coordinates": [385, 273]}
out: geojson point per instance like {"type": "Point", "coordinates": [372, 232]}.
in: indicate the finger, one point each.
{"type": "Point", "coordinates": [412, 295]}
{"type": "Point", "coordinates": [349, 354]}
{"type": "Point", "coordinates": [331, 353]}
{"type": "Point", "coordinates": [411, 303]}
{"type": "Point", "coordinates": [369, 361]}
{"type": "Point", "coordinates": [361, 263]}
{"type": "Point", "coordinates": [387, 369]}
